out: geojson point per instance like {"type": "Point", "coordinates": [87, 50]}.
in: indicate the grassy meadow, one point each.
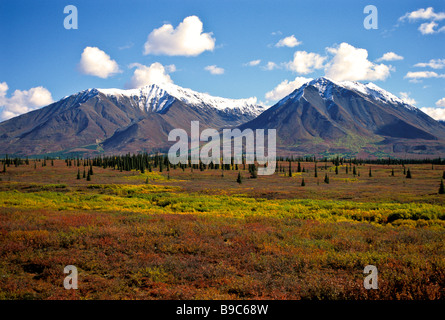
{"type": "Point", "coordinates": [191, 234]}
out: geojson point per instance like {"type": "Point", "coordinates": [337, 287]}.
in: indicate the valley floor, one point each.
{"type": "Point", "coordinates": [186, 234]}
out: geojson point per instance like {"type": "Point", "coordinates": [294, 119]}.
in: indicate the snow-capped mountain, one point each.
{"type": "Point", "coordinates": [369, 91]}
{"type": "Point", "coordinates": [325, 116]}
{"type": "Point", "coordinates": [322, 117]}
{"type": "Point", "coordinates": [121, 120]}
{"type": "Point", "coordinates": [159, 97]}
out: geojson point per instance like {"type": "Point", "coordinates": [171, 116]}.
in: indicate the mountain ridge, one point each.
{"type": "Point", "coordinates": [93, 116]}
{"type": "Point", "coordinates": [322, 117]}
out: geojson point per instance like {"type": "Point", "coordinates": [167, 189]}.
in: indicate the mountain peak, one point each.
{"type": "Point", "coordinates": [160, 96]}
{"type": "Point", "coordinates": [325, 87]}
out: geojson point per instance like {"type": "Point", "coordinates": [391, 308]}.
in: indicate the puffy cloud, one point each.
{"type": "Point", "coordinates": [271, 66]}
{"type": "Point", "coordinates": [350, 63]}
{"type": "Point", "coordinates": [405, 96]}
{"type": "Point", "coordinates": [22, 101]}
{"type": "Point", "coordinates": [435, 113]}
{"type": "Point", "coordinates": [187, 39]}
{"type": "Point", "coordinates": [423, 75]}
{"type": "Point", "coordinates": [306, 62]}
{"type": "Point", "coordinates": [253, 63]}
{"type": "Point", "coordinates": [290, 42]}
{"type": "Point", "coordinates": [3, 89]}
{"type": "Point", "coordinates": [213, 69]}
{"type": "Point", "coordinates": [425, 14]}
{"type": "Point", "coordinates": [389, 56]}
{"type": "Point", "coordinates": [170, 68]}
{"type": "Point", "coordinates": [97, 63]}
{"type": "Point", "coordinates": [433, 63]}
{"type": "Point", "coordinates": [441, 103]}
{"type": "Point", "coordinates": [285, 88]}
{"type": "Point", "coordinates": [156, 73]}
{"type": "Point", "coordinates": [430, 28]}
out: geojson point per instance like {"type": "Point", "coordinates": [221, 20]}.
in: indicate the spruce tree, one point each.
{"type": "Point", "coordinates": [303, 183]}
{"type": "Point", "coordinates": [408, 174]}
{"type": "Point", "coordinates": [290, 168]}
{"type": "Point", "coordinates": [370, 172]}
{"type": "Point", "coordinates": [253, 171]}
{"type": "Point", "coordinates": [78, 174]}
{"type": "Point", "coordinates": [239, 178]}
{"type": "Point", "coordinates": [326, 179]}
{"type": "Point", "coordinates": [336, 170]}
{"type": "Point", "coordinates": [88, 176]}
{"type": "Point", "coordinates": [392, 172]}
{"type": "Point", "coordinates": [441, 187]}
{"type": "Point", "coordinates": [443, 175]}
{"type": "Point", "coordinates": [354, 171]}
{"type": "Point", "coordinates": [316, 171]}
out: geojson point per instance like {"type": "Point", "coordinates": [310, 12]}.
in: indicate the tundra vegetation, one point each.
{"type": "Point", "coordinates": [137, 227]}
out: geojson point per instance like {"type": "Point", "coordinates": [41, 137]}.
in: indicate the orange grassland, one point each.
{"type": "Point", "coordinates": [191, 234]}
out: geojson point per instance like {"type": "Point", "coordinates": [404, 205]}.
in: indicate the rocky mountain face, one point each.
{"type": "Point", "coordinates": [117, 121]}
{"type": "Point", "coordinates": [322, 118]}
{"type": "Point", "coordinates": [325, 117]}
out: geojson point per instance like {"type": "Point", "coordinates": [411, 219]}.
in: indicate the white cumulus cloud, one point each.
{"type": "Point", "coordinates": [350, 63]}
{"type": "Point", "coordinates": [435, 113]}
{"type": "Point", "coordinates": [430, 28]}
{"type": "Point", "coordinates": [306, 62]}
{"type": "Point", "coordinates": [405, 96]}
{"type": "Point", "coordinates": [425, 14]}
{"type": "Point", "coordinates": [433, 63]}
{"type": "Point", "coordinates": [187, 39]}
{"type": "Point", "coordinates": [389, 56]}
{"type": "Point", "coordinates": [423, 74]}
{"type": "Point", "coordinates": [143, 75]}
{"type": "Point", "coordinates": [290, 42]}
{"type": "Point", "coordinates": [253, 63]}
{"type": "Point", "coordinates": [22, 101]}
{"type": "Point", "coordinates": [96, 62]}
{"type": "Point", "coordinates": [213, 69]}
{"type": "Point", "coordinates": [441, 103]}
{"type": "Point", "coordinates": [285, 88]}
{"type": "Point", "coordinates": [270, 66]}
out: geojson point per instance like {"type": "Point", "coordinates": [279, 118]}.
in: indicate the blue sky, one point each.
{"type": "Point", "coordinates": [41, 61]}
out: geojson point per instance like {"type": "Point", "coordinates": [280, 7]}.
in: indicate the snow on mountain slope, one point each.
{"type": "Point", "coordinates": [159, 97]}
{"type": "Point", "coordinates": [371, 90]}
